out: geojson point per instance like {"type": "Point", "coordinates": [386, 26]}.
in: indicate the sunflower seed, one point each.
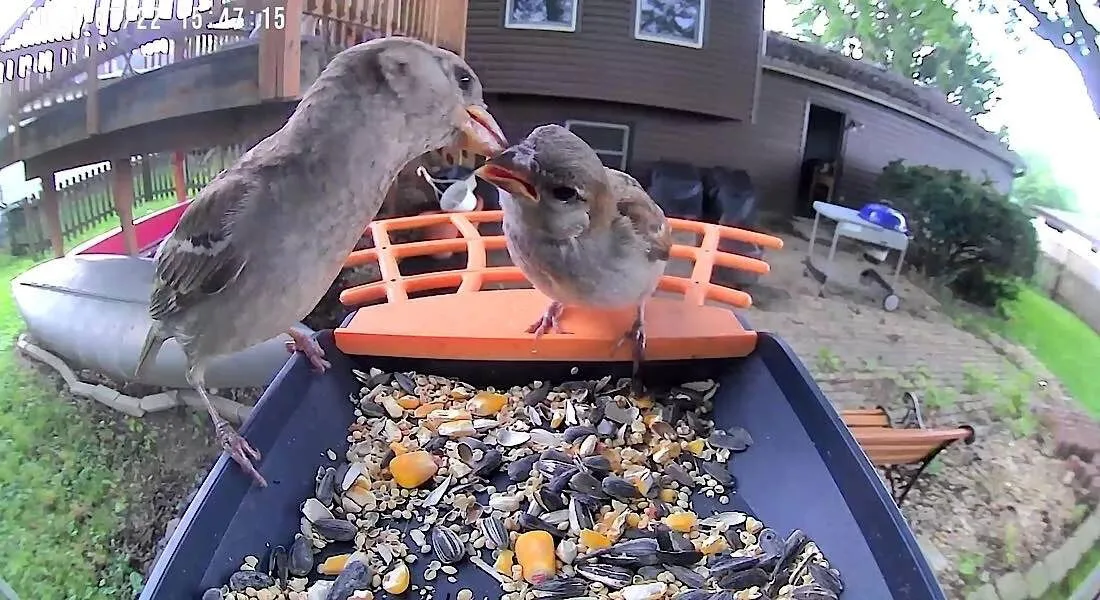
{"type": "Point", "coordinates": [518, 470]}
{"type": "Point", "coordinates": [493, 529]}
{"type": "Point", "coordinates": [620, 488]}
{"type": "Point", "coordinates": [448, 547]}
{"type": "Point", "coordinates": [611, 576]}
{"type": "Point", "coordinates": [561, 587]}
{"type": "Point", "coordinates": [537, 395]}
{"type": "Point", "coordinates": [576, 433]}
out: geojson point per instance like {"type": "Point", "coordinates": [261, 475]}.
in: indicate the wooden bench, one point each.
{"type": "Point", "coordinates": [902, 448]}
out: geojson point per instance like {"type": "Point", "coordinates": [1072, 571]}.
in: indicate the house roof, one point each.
{"type": "Point", "coordinates": [924, 100]}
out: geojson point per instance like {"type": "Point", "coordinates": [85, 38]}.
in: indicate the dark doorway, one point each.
{"type": "Point", "coordinates": [821, 158]}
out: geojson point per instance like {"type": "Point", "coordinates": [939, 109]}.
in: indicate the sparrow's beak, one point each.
{"type": "Point", "coordinates": [511, 171]}
{"type": "Point", "coordinates": [481, 134]}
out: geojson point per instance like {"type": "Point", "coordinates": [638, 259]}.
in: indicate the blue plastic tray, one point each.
{"type": "Point", "coordinates": [804, 470]}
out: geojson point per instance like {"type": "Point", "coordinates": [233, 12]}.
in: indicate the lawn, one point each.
{"type": "Point", "coordinates": [1063, 342]}
{"type": "Point", "coordinates": [59, 476]}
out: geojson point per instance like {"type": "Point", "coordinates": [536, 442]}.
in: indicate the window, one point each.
{"type": "Point", "coordinates": [552, 15]}
{"type": "Point", "coordinates": [611, 141]}
{"type": "Point", "coordinates": [678, 22]}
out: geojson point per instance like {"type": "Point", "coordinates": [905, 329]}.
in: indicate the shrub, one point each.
{"type": "Point", "coordinates": [966, 235]}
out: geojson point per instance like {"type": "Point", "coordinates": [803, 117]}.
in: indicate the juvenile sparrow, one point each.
{"type": "Point", "coordinates": [582, 233]}
{"type": "Point", "coordinates": [259, 246]}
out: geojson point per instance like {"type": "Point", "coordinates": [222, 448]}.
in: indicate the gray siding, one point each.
{"type": "Point", "coordinates": [769, 149]}
{"type": "Point", "coordinates": [601, 60]}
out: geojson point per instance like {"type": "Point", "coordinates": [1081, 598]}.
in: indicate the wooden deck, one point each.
{"type": "Point", "coordinates": [205, 94]}
{"type": "Point", "coordinates": [95, 97]}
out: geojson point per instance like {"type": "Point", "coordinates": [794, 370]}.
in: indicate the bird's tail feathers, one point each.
{"type": "Point", "coordinates": [154, 339]}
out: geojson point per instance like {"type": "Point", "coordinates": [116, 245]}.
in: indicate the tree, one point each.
{"type": "Point", "coordinates": [1039, 187]}
{"type": "Point", "coordinates": [920, 39]}
{"type": "Point", "coordinates": [1065, 25]}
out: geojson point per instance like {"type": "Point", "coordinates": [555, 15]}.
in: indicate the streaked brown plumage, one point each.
{"type": "Point", "coordinates": [260, 245]}
{"type": "Point", "coordinates": [584, 234]}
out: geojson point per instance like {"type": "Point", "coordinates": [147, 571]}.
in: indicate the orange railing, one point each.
{"type": "Point", "coordinates": [41, 67]}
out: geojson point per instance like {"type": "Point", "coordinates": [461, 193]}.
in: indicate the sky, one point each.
{"type": "Point", "coordinates": [1042, 98]}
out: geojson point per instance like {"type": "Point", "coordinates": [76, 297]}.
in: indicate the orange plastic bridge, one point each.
{"type": "Point", "coordinates": [474, 323]}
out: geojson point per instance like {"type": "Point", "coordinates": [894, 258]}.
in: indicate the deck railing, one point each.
{"type": "Point", "coordinates": [347, 22]}
{"type": "Point", "coordinates": [87, 203]}
{"type": "Point", "coordinates": [41, 68]}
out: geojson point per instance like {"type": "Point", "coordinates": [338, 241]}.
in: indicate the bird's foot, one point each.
{"type": "Point", "coordinates": [308, 346]}
{"type": "Point", "coordinates": [239, 450]}
{"type": "Point", "coordinates": [636, 336]}
{"type": "Point", "coordinates": [549, 321]}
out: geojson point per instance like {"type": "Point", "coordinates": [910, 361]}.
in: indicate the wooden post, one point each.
{"type": "Point", "coordinates": [179, 160]}
{"type": "Point", "coordinates": [91, 86]}
{"type": "Point", "coordinates": [51, 215]}
{"type": "Point", "coordinates": [451, 26]}
{"type": "Point", "coordinates": [147, 191]}
{"type": "Point", "coordinates": [280, 50]}
{"type": "Point", "coordinates": [122, 192]}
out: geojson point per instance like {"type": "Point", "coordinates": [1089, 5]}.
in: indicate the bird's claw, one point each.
{"type": "Point", "coordinates": [636, 336]}
{"type": "Point", "coordinates": [549, 321]}
{"type": "Point", "coordinates": [312, 350]}
{"type": "Point", "coordinates": [239, 450]}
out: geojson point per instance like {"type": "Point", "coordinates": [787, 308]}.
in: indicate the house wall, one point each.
{"type": "Point", "coordinates": [602, 60]}
{"type": "Point", "coordinates": [770, 148]}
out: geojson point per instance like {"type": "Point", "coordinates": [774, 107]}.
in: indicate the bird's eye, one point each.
{"type": "Point", "coordinates": [564, 194]}
{"type": "Point", "coordinates": [465, 80]}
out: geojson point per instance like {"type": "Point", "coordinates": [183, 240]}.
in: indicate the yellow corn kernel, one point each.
{"type": "Point", "coordinates": [397, 580]}
{"type": "Point", "coordinates": [594, 540]}
{"type": "Point", "coordinates": [485, 404]}
{"type": "Point", "coordinates": [412, 469]}
{"type": "Point", "coordinates": [712, 544]}
{"type": "Point", "coordinates": [333, 564]}
{"type": "Point", "coordinates": [696, 447]}
{"type": "Point", "coordinates": [668, 495]}
{"type": "Point", "coordinates": [681, 521]}
{"type": "Point", "coordinates": [424, 410]}
{"type": "Point", "coordinates": [504, 562]}
{"type": "Point", "coordinates": [535, 554]}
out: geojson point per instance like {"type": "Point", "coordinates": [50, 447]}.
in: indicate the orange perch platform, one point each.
{"type": "Point", "coordinates": [473, 323]}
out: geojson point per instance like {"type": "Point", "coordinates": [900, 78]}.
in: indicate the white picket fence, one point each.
{"type": "Point", "coordinates": [1069, 271]}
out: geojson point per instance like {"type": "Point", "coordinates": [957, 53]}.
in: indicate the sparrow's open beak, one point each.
{"type": "Point", "coordinates": [481, 134]}
{"type": "Point", "coordinates": [511, 172]}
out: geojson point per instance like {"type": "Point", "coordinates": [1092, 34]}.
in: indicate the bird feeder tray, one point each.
{"type": "Point", "coordinates": [451, 315]}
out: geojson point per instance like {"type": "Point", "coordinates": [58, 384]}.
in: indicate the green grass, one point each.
{"type": "Point", "coordinates": [58, 472]}
{"type": "Point", "coordinates": [159, 203]}
{"type": "Point", "coordinates": [1062, 341]}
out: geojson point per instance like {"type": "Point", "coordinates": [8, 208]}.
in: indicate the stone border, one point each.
{"type": "Point", "coordinates": [1043, 575]}
{"type": "Point", "coordinates": [234, 412]}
